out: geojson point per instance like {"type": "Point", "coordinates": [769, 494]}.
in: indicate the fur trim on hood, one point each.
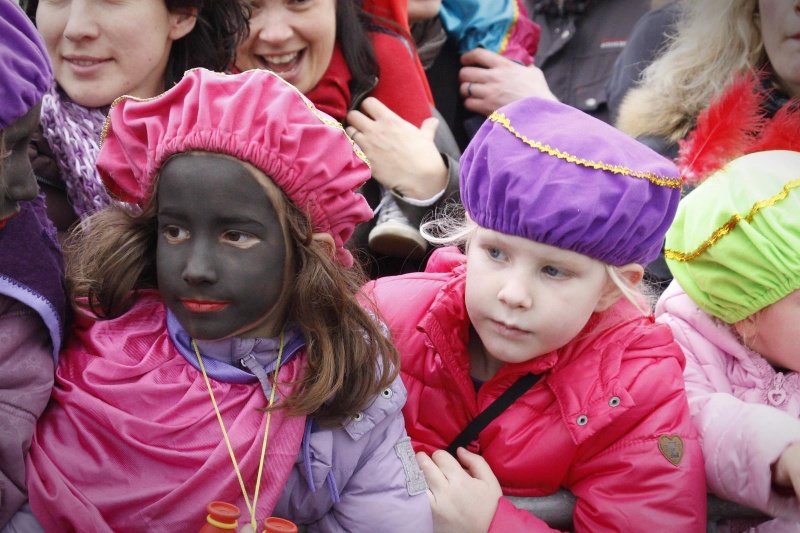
{"type": "Point", "coordinates": [645, 112]}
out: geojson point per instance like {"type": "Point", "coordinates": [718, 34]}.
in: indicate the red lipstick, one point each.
{"type": "Point", "coordinates": [203, 306]}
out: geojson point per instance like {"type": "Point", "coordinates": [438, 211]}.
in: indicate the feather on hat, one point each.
{"type": "Point", "coordinates": [734, 125]}
{"type": "Point", "coordinates": [733, 246]}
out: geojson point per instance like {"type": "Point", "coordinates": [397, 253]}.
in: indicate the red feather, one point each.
{"type": "Point", "coordinates": [781, 132]}
{"type": "Point", "coordinates": [724, 130]}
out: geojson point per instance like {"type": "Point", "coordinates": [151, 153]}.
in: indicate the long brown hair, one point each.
{"type": "Point", "coordinates": [110, 256]}
{"type": "Point", "coordinates": [349, 358]}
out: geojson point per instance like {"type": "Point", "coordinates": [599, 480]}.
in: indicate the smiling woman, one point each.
{"type": "Point", "coordinates": [344, 55]}
{"type": "Point", "coordinates": [336, 53]}
{"type": "Point", "coordinates": [293, 40]}
{"type": "Point", "coordinates": [102, 50]}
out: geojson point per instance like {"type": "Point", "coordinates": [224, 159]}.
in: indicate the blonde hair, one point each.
{"type": "Point", "coordinates": [715, 40]}
{"type": "Point", "coordinates": [453, 227]}
{"type": "Point", "coordinates": [642, 296]}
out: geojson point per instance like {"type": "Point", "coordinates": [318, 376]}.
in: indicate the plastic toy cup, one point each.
{"type": "Point", "coordinates": [273, 524]}
{"type": "Point", "coordinates": [221, 517]}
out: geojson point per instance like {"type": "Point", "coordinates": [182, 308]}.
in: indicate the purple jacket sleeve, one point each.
{"type": "Point", "coordinates": [387, 487]}
{"type": "Point", "coordinates": [26, 378]}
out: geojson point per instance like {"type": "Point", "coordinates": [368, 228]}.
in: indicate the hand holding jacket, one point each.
{"type": "Point", "coordinates": [463, 493]}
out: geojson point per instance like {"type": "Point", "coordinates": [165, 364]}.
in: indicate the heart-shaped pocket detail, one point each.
{"type": "Point", "coordinates": [776, 396]}
{"type": "Point", "coordinates": [671, 448]}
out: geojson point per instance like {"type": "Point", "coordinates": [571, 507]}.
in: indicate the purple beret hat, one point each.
{"type": "Point", "coordinates": [552, 174]}
{"type": "Point", "coordinates": [25, 70]}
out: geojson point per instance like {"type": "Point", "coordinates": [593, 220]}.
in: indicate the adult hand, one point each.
{"type": "Point", "coordinates": [786, 472]}
{"type": "Point", "coordinates": [489, 81]}
{"type": "Point", "coordinates": [403, 157]}
{"type": "Point", "coordinates": [463, 499]}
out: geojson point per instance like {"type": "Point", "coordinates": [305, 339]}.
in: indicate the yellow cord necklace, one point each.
{"type": "Point", "coordinates": [251, 507]}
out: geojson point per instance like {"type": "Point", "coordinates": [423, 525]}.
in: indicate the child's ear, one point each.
{"type": "Point", "coordinates": [326, 239]}
{"type": "Point", "coordinates": [182, 22]}
{"type": "Point", "coordinates": [632, 273]}
{"type": "Point", "coordinates": [746, 327]}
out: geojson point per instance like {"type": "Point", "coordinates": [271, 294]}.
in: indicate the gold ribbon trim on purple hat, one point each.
{"type": "Point", "coordinates": [726, 228]}
{"type": "Point", "coordinates": [662, 181]}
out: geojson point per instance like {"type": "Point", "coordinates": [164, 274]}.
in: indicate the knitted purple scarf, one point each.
{"type": "Point", "coordinates": [73, 133]}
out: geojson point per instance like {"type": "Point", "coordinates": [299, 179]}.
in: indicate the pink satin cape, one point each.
{"type": "Point", "coordinates": [130, 440]}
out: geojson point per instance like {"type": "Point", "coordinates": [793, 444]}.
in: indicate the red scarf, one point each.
{"type": "Point", "coordinates": [332, 93]}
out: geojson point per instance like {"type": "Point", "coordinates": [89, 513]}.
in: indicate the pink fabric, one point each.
{"type": "Point", "coordinates": [130, 441]}
{"type": "Point", "coordinates": [746, 413]}
{"type": "Point", "coordinates": [254, 116]}
{"type": "Point", "coordinates": [524, 39]}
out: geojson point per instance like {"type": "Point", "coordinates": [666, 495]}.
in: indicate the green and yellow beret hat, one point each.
{"type": "Point", "coordinates": [734, 245]}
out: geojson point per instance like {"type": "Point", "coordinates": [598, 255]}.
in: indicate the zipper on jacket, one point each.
{"type": "Point", "coordinates": [776, 394]}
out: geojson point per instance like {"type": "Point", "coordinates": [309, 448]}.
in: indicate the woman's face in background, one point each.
{"type": "Point", "coordinates": [102, 49]}
{"type": "Point", "coordinates": [780, 31]}
{"type": "Point", "coordinates": [292, 38]}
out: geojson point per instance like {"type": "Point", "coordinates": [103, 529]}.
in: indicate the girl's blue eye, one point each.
{"type": "Point", "coordinates": [553, 272]}
{"type": "Point", "coordinates": [495, 253]}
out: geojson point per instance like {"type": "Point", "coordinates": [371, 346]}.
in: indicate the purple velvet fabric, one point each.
{"type": "Point", "coordinates": [31, 267]}
{"type": "Point", "coordinates": [550, 173]}
{"type": "Point", "coordinates": [25, 70]}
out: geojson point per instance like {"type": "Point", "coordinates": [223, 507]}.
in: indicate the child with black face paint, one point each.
{"type": "Point", "coordinates": [222, 353]}
{"type": "Point", "coordinates": [32, 293]}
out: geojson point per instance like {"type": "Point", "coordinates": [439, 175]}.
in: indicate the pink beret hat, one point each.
{"type": "Point", "coordinates": [25, 71]}
{"type": "Point", "coordinates": [254, 116]}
